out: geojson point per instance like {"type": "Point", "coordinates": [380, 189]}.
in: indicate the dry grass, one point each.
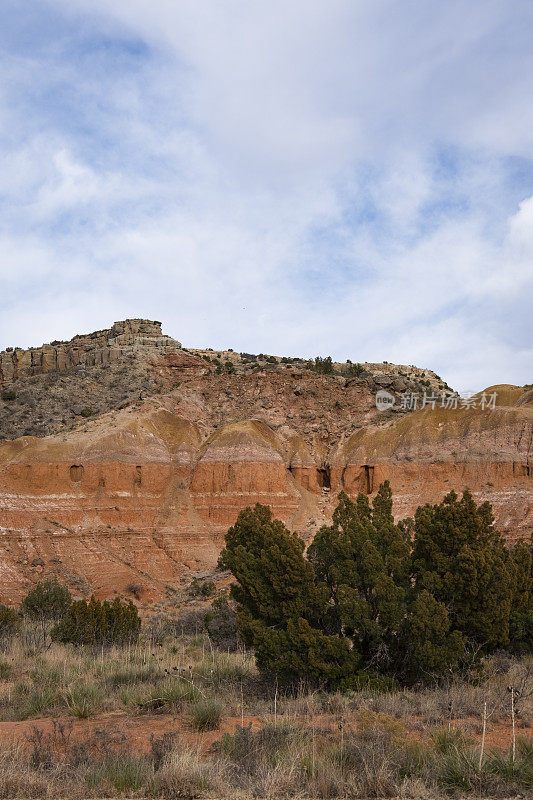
{"type": "Point", "coordinates": [304, 744]}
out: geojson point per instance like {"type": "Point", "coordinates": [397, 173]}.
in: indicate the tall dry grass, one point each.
{"type": "Point", "coordinates": [304, 744]}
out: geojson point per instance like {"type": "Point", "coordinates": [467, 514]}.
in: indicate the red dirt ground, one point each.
{"type": "Point", "coordinates": [138, 729]}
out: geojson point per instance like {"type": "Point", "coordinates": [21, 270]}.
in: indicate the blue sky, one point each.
{"type": "Point", "coordinates": [313, 177]}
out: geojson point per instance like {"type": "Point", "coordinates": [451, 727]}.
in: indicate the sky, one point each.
{"type": "Point", "coordinates": [350, 178]}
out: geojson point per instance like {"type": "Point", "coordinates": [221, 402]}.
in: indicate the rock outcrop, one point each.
{"type": "Point", "coordinates": [142, 495]}
{"type": "Point", "coordinates": [98, 348]}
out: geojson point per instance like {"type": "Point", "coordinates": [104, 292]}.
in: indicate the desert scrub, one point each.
{"type": "Point", "coordinates": [125, 772]}
{"type": "Point", "coordinates": [6, 670]}
{"type": "Point", "coordinates": [131, 675]}
{"type": "Point", "coordinates": [36, 702]}
{"type": "Point", "coordinates": [206, 714]}
{"type": "Point", "coordinates": [183, 773]}
{"type": "Point", "coordinates": [220, 667]}
{"type": "Point", "coordinates": [136, 697]}
{"type": "Point", "coordinates": [518, 772]}
{"type": "Point", "coordinates": [26, 700]}
{"type": "Point", "coordinates": [83, 700]}
{"type": "Point", "coordinates": [173, 695]}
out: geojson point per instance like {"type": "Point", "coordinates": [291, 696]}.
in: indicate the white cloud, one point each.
{"type": "Point", "coordinates": [300, 178]}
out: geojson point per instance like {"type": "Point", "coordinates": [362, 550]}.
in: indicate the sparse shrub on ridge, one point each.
{"type": "Point", "coordinates": [322, 366]}
{"type": "Point", "coordinates": [354, 370]}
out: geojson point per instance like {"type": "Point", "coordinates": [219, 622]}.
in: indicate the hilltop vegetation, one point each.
{"type": "Point", "coordinates": [59, 386]}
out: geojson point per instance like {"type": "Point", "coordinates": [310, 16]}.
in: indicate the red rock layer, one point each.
{"type": "Point", "coordinates": [143, 497]}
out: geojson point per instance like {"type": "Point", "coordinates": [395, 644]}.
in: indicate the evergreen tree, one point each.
{"type": "Point", "coordinates": [280, 609]}
{"type": "Point", "coordinates": [428, 647]}
{"type": "Point", "coordinates": [378, 598]}
{"type": "Point", "coordinates": [521, 617]}
{"type": "Point", "coordinates": [363, 560]}
{"type": "Point", "coordinates": [462, 561]}
{"type": "Point", "coordinates": [46, 604]}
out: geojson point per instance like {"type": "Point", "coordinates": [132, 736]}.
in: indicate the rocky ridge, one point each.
{"type": "Point", "coordinates": [55, 387]}
{"type": "Point", "coordinates": [131, 336]}
{"type": "Point", "coordinates": [141, 495]}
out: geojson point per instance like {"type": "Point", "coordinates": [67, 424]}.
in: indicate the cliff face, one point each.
{"type": "Point", "coordinates": [143, 495]}
{"type": "Point", "coordinates": [98, 348]}
{"type": "Point", "coordinates": [430, 452]}
{"type": "Point", "coordinates": [53, 388]}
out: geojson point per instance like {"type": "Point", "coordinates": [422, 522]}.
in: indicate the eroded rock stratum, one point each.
{"type": "Point", "coordinates": [141, 490]}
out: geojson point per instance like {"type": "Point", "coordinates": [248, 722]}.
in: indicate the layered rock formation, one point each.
{"type": "Point", "coordinates": [143, 495]}
{"type": "Point", "coordinates": [52, 388]}
{"type": "Point", "coordinates": [432, 451]}
{"type": "Point", "coordinates": [101, 347]}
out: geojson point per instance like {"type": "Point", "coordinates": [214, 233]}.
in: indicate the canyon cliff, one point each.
{"type": "Point", "coordinates": [137, 454]}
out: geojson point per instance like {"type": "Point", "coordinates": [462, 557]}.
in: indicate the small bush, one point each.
{"type": "Point", "coordinates": [161, 627]}
{"type": "Point", "coordinates": [8, 395]}
{"type": "Point", "coordinates": [228, 367]}
{"type": "Point", "coordinates": [449, 740]}
{"type": "Point", "coordinates": [457, 771]}
{"type": "Point", "coordinates": [190, 622]}
{"type": "Point", "coordinates": [133, 674]}
{"type": "Point", "coordinates": [354, 370]}
{"type": "Point", "coordinates": [173, 694]}
{"type": "Point", "coordinates": [202, 588]}
{"type": "Point", "coordinates": [125, 772]}
{"type": "Point", "coordinates": [135, 696]}
{"type": "Point", "coordinates": [247, 747]}
{"type": "Point", "coordinates": [83, 700]}
{"type": "Point", "coordinates": [9, 623]}
{"type": "Point", "coordinates": [206, 715]}
{"type": "Point", "coordinates": [135, 589]}
{"type": "Point", "coordinates": [518, 772]}
{"type": "Point", "coordinates": [86, 412]}
{"type": "Point", "coordinates": [6, 670]}
{"type": "Point", "coordinates": [36, 701]}
{"type": "Point", "coordinates": [184, 774]}
{"type": "Point", "coordinates": [96, 622]}
{"type": "Point", "coordinates": [223, 669]}
{"type": "Point", "coordinates": [221, 624]}
{"type": "Point", "coordinates": [49, 600]}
